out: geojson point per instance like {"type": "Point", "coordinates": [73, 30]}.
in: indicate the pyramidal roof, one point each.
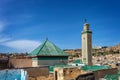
{"type": "Point", "coordinates": [48, 49]}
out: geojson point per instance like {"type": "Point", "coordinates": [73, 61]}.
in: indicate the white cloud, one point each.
{"type": "Point", "coordinates": [17, 45]}
{"type": "Point", "coordinates": [4, 38]}
{"type": "Point", "coordinates": [22, 45]}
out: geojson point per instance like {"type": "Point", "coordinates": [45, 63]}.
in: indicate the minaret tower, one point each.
{"type": "Point", "coordinates": [86, 45]}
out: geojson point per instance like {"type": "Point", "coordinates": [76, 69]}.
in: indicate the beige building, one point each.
{"type": "Point", "coordinates": [83, 73]}
{"type": "Point", "coordinates": [86, 45]}
{"type": "Point", "coordinates": [72, 73]}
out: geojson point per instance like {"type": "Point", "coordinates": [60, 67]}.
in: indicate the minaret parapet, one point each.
{"type": "Point", "coordinates": [86, 27]}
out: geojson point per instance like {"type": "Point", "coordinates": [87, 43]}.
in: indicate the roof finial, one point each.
{"type": "Point", "coordinates": [85, 20]}
{"type": "Point", "coordinates": [46, 38]}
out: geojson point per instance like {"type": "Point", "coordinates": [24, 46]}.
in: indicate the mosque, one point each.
{"type": "Point", "coordinates": [49, 54]}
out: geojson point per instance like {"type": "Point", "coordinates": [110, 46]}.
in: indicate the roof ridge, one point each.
{"type": "Point", "coordinates": [43, 45]}
{"type": "Point", "coordinates": [48, 48]}
{"type": "Point", "coordinates": [56, 47]}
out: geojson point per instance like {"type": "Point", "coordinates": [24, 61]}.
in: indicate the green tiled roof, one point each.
{"type": "Point", "coordinates": [94, 68]}
{"type": "Point", "coordinates": [48, 49]}
{"type": "Point", "coordinates": [51, 69]}
{"type": "Point", "coordinates": [112, 77]}
{"type": "Point", "coordinates": [78, 61]}
{"type": "Point", "coordinates": [118, 71]}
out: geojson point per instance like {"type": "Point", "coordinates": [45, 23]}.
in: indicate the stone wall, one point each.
{"type": "Point", "coordinates": [3, 64]}
{"type": "Point", "coordinates": [37, 71]}
{"type": "Point", "coordinates": [102, 73]}
{"type": "Point", "coordinates": [70, 73]}
{"type": "Point", "coordinates": [20, 63]}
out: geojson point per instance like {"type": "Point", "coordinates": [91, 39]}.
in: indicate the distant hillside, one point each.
{"type": "Point", "coordinates": [96, 51]}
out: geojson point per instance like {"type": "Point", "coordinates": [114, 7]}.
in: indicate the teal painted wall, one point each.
{"type": "Point", "coordinates": [51, 60]}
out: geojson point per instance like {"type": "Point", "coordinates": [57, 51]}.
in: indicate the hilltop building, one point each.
{"type": "Point", "coordinates": [86, 45]}
{"type": "Point", "coordinates": [48, 54]}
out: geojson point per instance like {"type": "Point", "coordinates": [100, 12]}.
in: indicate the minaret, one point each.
{"type": "Point", "coordinates": [86, 45]}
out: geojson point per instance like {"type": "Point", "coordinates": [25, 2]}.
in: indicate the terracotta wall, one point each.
{"type": "Point", "coordinates": [20, 63]}
{"type": "Point", "coordinates": [38, 71]}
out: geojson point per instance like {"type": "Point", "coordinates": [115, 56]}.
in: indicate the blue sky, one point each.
{"type": "Point", "coordinates": [25, 24]}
